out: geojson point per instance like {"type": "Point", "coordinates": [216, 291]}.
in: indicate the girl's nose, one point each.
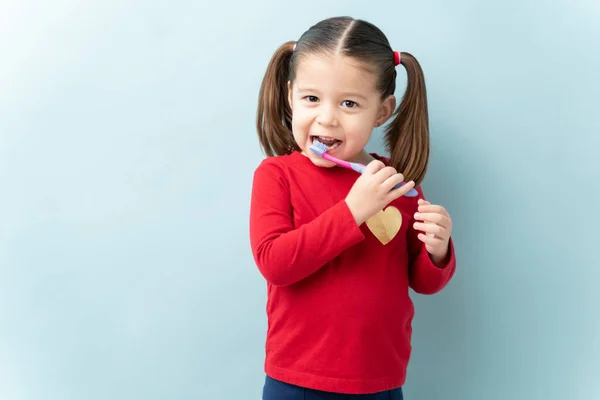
{"type": "Point", "coordinates": [327, 116]}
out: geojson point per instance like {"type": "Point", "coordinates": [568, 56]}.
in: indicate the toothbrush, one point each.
{"type": "Point", "coordinates": [321, 150]}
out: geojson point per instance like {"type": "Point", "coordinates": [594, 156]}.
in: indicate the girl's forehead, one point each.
{"type": "Point", "coordinates": [334, 71]}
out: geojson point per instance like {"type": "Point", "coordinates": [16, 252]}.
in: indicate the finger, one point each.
{"type": "Point", "coordinates": [386, 173]}
{"type": "Point", "coordinates": [431, 229]}
{"type": "Point", "coordinates": [373, 167]}
{"type": "Point", "coordinates": [435, 218]}
{"type": "Point", "coordinates": [400, 191]}
{"type": "Point", "coordinates": [430, 240]}
{"type": "Point", "coordinates": [391, 181]}
{"type": "Point", "coordinates": [432, 208]}
{"type": "Point", "coordinates": [432, 243]}
{"type": "Point", "coordinates": [423, 202]}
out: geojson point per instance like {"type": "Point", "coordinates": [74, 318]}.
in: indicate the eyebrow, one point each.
{"type": "Point", "coordinates": [354, 94]}
{"type": "Point", "coordinates": [344, 94]}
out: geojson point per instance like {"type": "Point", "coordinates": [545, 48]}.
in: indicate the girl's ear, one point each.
{"type": "Point", "coordinates": [386, 110]}
{"type": "Point", "coordinates": [289, 88]}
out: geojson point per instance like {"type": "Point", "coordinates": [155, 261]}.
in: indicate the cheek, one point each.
{"type": "Point", "coordinates": [301, 120]}
{"type": "Point", "coordinates": [299, 130]}
{"type": "Point", "coordinates": [360, 126]}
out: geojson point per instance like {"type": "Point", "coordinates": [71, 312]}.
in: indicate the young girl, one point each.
{"type": "Point", "coordinates": [338, 249]}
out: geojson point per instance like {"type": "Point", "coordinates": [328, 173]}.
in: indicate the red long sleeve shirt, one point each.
{"type": "Point", "coordinates": [339, 312]}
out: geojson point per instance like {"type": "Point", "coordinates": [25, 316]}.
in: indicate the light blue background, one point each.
{"type": "Point", "coordinates": [127, 147]}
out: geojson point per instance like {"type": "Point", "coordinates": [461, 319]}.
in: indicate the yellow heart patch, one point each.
{"type": "Point", "coordinates": [386, 224]}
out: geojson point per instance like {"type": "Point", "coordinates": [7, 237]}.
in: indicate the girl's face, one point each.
{"type": "Point", "coordinates": [335, 100]}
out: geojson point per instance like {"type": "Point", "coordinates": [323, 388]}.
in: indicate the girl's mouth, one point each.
{"type": "Point", "coordinates": [330, 142]}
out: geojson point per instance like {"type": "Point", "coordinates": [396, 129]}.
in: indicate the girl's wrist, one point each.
{"type": "Point", "coordinates": [440, 259]}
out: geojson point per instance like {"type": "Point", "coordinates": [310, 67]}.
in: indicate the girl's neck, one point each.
{"type": "Point", "coordinates": [363, 157]}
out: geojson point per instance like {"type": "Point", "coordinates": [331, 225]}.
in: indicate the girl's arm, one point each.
{"type": "Point", "coordinates": [425, 276]}
{"type": "Point", "coordinates": [285, 255]}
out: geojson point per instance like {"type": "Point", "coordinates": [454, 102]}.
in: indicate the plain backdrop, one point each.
{"type": "Point", "coordinates": [127, 148]}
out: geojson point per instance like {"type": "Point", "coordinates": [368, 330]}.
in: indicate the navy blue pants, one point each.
{"type": "Point", "coordinates": [277, 390]}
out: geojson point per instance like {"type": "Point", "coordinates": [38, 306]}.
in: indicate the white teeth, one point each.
{"type": "Point", "coordinates": [331, 143]}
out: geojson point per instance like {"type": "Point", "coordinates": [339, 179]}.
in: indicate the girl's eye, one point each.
{"type": "Point", "coordinates": [312, 99]}
{"type": "Point", "coordinates": [349, 103]}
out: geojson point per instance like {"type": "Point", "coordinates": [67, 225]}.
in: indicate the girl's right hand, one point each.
{"type": "Point", "coordinates": [372, 191]}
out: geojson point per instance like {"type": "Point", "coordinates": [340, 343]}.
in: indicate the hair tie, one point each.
{"type": "Point", "coordinates": [397, 58]}
{"type": "Point", "coordinates": [294, 48]}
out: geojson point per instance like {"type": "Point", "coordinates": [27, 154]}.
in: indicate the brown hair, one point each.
{"type": "Point", "coordinates": [406, 137]}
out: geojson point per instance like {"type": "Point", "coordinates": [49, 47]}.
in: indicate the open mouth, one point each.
{"type": "Point", "coordinates": [330, 142]}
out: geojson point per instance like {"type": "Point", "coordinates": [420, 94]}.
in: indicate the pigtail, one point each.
{"type": "Point", "coordinates": [274, 114]}
{"type": "Point", "coordinates": [407, 137]}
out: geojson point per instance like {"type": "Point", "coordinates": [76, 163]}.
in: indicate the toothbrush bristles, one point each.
{"type": "Point", "coordinates": [318, 148]}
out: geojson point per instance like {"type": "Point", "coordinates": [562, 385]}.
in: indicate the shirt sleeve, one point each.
{"type": "Point", "coordinates": [285, 255]}
{"type": "Point", "coordinates": [425, 277]}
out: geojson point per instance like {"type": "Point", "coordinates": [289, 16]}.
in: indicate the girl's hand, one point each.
{"type": "Point", "coordinates": [437, 227]}
{"type": "Point", "coordinates": [372, 191]}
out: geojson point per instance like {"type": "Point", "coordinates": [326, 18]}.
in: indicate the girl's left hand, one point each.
{"type": "Point", "coordinates": [437, 227]}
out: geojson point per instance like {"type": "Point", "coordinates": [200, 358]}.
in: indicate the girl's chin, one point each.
{"type": "Point", "coordinates": [338, 153]}
{"type": "Point", "coordinates": [318, 161]}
